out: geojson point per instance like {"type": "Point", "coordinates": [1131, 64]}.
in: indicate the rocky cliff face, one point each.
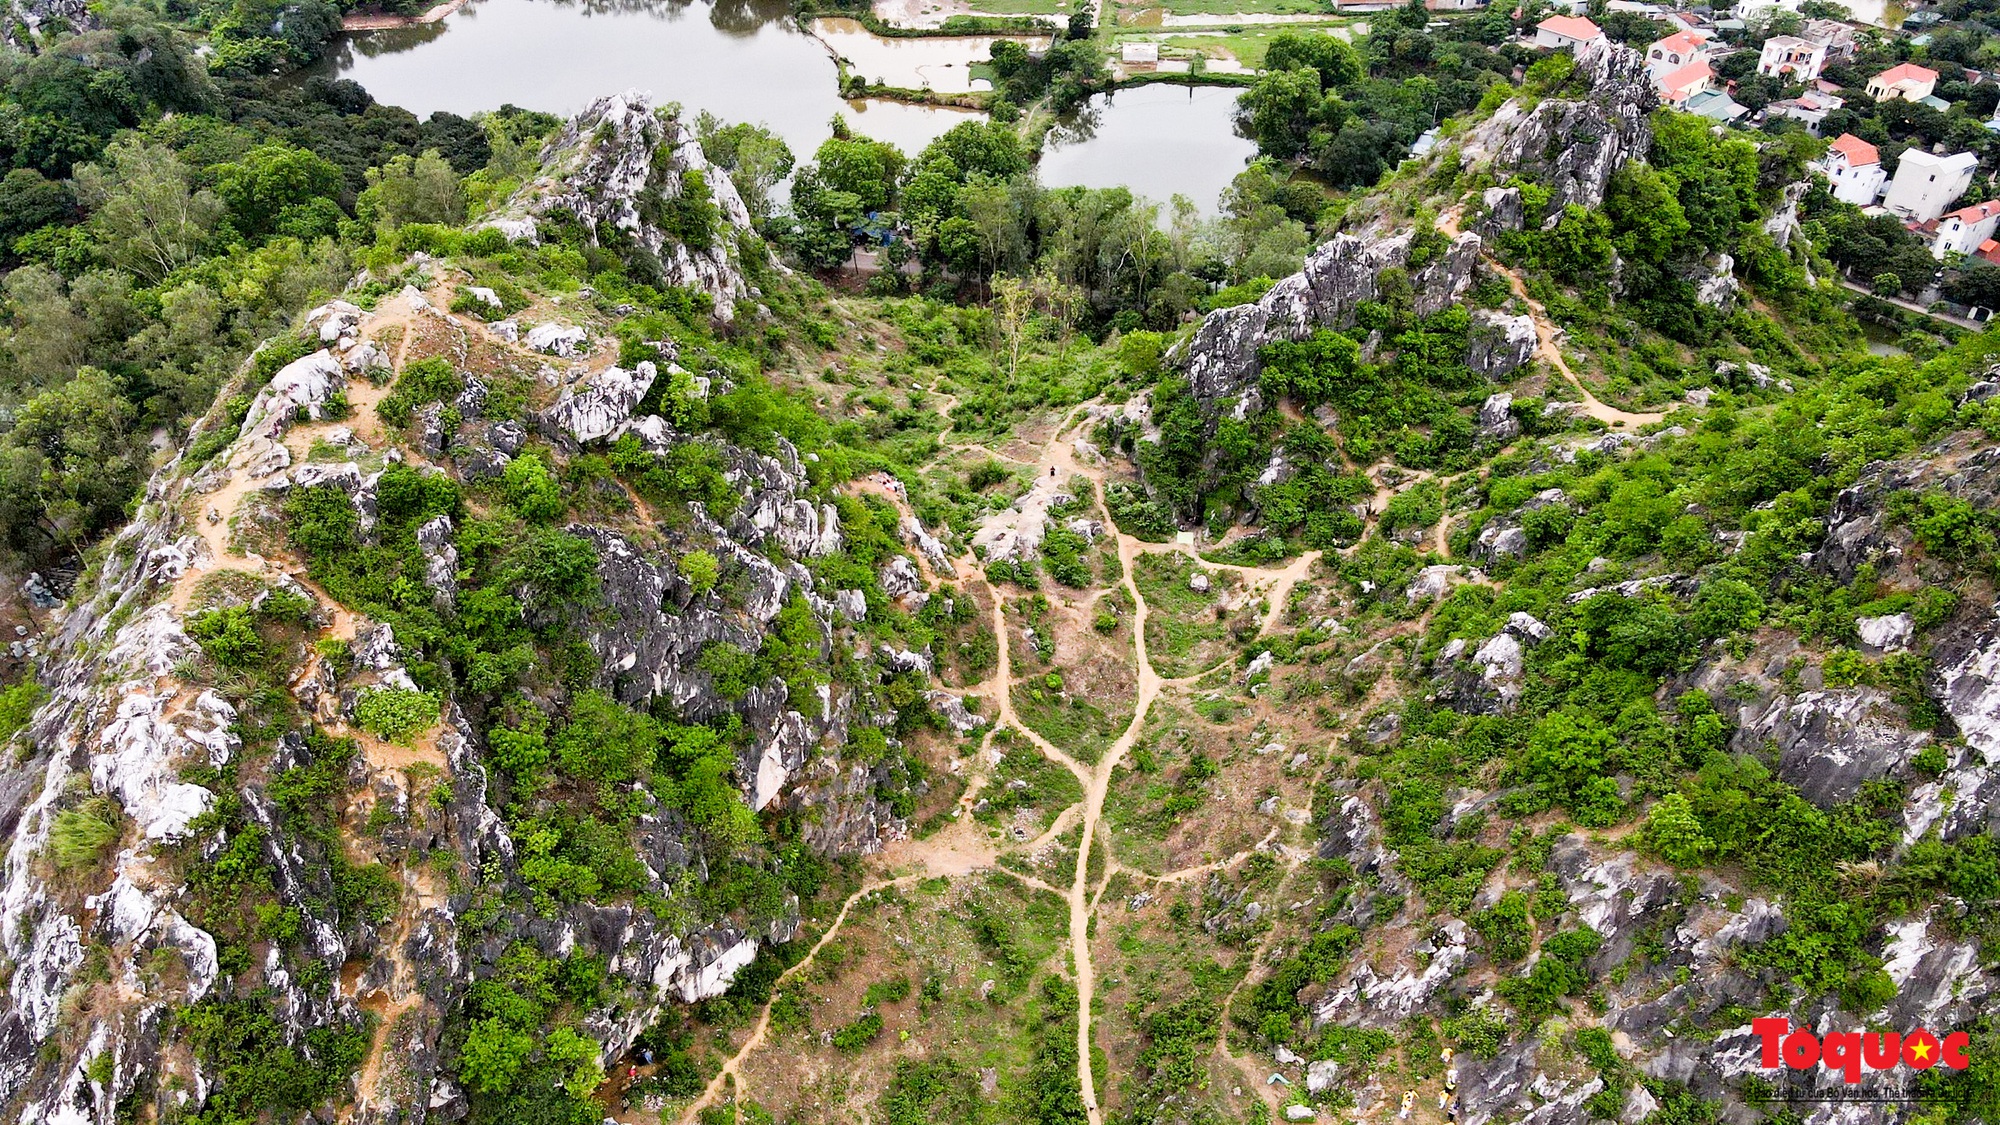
{"type": "Point", "coordinates": [634, 177]}
{"type": "Point", "coordinates": [1221, 360]}
{"type": "Point", "coordinates": [1571, 145]}
{"type": "Point", "coordinates": [34, 16]}
{"type": "Point", "coordinates": [107, 956]}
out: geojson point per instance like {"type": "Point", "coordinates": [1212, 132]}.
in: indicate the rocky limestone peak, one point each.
{"type": "Point", "coordinates": [1221, 360]}
{"type": "Point", "coordinates": [1572, 145]}
{"type": "Point", "coordinates": [26, 18]}
{"type": "Point", "coordinates": [626, 166]}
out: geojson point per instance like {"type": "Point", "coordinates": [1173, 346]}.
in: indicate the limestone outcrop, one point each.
{"type": "Point", "coordinates": [625, 165]}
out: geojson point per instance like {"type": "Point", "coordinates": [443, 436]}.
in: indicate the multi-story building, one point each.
{"type": "Point", "coordinates": [1792, 58]}
{"type": "Point", "coordinates": [1676, 51]}
{"type": "Point", "coordinates": [1853, 168]}
{"type": "Point", "coordinates": [1963, 231]}
{"type": "Point", "coordinates": [1925, 185]}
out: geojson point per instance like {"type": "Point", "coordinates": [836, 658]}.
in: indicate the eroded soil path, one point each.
{"type": "Point", "coordinates": [1546, 347]}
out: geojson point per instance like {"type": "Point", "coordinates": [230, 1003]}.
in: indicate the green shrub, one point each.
{"type": "Point", "coordinates": [228, 636]}
{"type": "Point", "coordinates": [80, 836]}
{"type": "Point", "coordinates": [858, 1034]}
{"type": "Point", "coordinates": [895, 990]}
{"type": "Point", "coordinates": [701, 570]}
{"type": "Point", "coordinates": [17, 706]}
{"type": "Point", "coordinates": [430, 379]}
{"type": "Point", "coordinates": [1557, 974]}
{"type": "Point", "coordinates": [397, 714]}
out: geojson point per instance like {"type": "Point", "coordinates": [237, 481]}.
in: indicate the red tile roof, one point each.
{"type": "Point", "coordinates": [1692, 74]}
{"type": "Point", "coordinates": [1575, 27]}
{"type": "Point", "coordinates": [1859, 153]}
{"type": "Point", "coordinates": [1978, 212]}
{"type": "Point", "coordinates": [1681, 42]}
{"type": "Point", "coordinates": [1906, 72]}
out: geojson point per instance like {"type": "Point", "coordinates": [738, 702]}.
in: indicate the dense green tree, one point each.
{"type": "Point", "coordinates": [756, 159]}
{"type": "Point", "coordinates": [405, 190]}
{"type": "Point", "coordinates": [146, 215]}
{"type": "Point", "coordinates": [1284, 110]}
{"type": "Point", "coordinates": [1327, 55]}
{"type": "Point", "coordinates": [270, 180]}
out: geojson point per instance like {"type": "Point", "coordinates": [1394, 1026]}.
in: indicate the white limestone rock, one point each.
{"type": "Point", "coordinates": [305, 384]}
{"type": "Point", "coordinates": [1888, 633]}
{"type": "Point", "coordinates": [600, 404]}
{"type": "Point", "coordinates": [563, 340]}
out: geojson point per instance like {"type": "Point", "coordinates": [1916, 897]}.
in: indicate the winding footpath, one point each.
{"type": "Point", "coordinates": [1546, 347]}
{"type": "Point", "coordinates": [963, 849]}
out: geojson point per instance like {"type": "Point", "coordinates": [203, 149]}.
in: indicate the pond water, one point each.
{"type": "Point", "coordinates": [1160, 141]}
{"type": "Point", "coordinates": [748, 60]}
{"type": "Point", "coordinates": [742, 60]}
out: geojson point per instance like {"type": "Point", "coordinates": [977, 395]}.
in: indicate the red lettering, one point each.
{"type": "Point", "coordinates": [1801, 1049]}
{"type": "Point", "coordinates": [1843, 1053]}
{"type": "Point", "coordinates": [1954, 1050]}
{"type": "Point", "coordinates": [1772, 1029]}
{"type": "Point", "coordinates": [1881, 1049]}
{"type": "Point", "coordinates": [1920, 1049]}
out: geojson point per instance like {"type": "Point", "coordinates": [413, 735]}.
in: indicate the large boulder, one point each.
{"type": "Point", "coordinates": [1499, 344]}
{"type": "Point", "coordinates": [1831, 742]}
{"type": "Point", "coordinates": [599, 404]}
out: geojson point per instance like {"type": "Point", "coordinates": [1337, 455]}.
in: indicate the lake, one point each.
{"type": "Point", "coordinates": [1160, 140]}
{"type": "Point", "coordinates": [742, 61]}
{"type": "Point", "coordinates": [747, 60]}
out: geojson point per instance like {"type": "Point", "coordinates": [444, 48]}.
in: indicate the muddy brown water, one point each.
{"type": "Point", "coordinates": [749, 60]}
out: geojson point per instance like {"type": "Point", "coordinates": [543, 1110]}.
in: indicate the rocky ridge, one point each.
{"type": "Point", "coordinates": [124, 720]}
{"type": "Point", "coordinates": [634, 176]}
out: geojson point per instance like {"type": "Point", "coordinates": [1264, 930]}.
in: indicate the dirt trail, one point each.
{"type": "Point", "coordinates": [1546, 348]}
{"type": "Point", "coordinates": [1059, 455]}
{"type": "Point", "coordinates": [964, 848]}
{"type": "Point", "coordinates": [1054, 470]}
{"type": "Point", "coordinates": [1545, 337]}
{"type": "Point", "coordinates": [731, 1071]}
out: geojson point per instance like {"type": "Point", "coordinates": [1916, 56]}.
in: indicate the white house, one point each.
{"type": "Point", "coordinates": [1566, 33]}
{"type": "Point", "coordinates": [1907, 81]}
{"type": "Point", "coordinates": [1962, 231]}
{"type": "Point", "coordinates": [1853, 170]}
{"type": "Point", "coordinates": [1788, 56]}
{"type": "Point", "coordinates": [1810, 107]}
{"type": "Point", "coordinates": [1676, 51]}
{"type": "Point", "coordinates": [1836, 37]}
{"type": "Point", "coordinates": [1925, 185]}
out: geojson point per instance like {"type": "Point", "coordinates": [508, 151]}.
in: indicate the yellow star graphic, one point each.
{"type": "Point", "coordinates": [1921, 1049]}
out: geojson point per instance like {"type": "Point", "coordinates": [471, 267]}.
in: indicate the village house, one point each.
{"type": "Point", "coordinates": [1566, 33]}
{"type": "Point", "coordinates": [1791, 57]}
{"type": "Point", "coordinates": [1925, 184]}
{"type": "Point", "coordinates": [1853, 169]}
{"type": "Point", "coordinates": [1810, 107]}
{"type": "Point", "coordinates": [1908, 81]}
{"type": "Point", "coordinates": [1963, 231]}
{"type": "Point", "coordinates": [1676, 51]}
{"type": "Point", "coordinates": [1677, 88]}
